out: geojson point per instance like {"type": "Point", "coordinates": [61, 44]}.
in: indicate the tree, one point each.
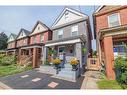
{"type": "Point", "coordinates": [3, 41]}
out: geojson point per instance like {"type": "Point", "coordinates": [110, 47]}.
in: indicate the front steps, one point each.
{"type": "Point", "coordinates": [67, 73]}
{"type": "Point", "coordinates": [46, 70]}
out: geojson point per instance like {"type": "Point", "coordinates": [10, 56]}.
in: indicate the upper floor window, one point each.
{"type": "Point", "coordinates": [41, 38]}
{"type": "Point", "coordinates": [74, 30]}
{"type": "Point", "coordinates": [34, 39]}
{"type": "Point", "coordinates": [60, 33]}
{"type": "Point", "coordinates": [114, 20]}
{"type": "Point", "coordinates": [24, 41]}
{"type": "Point", "coordinates": [66, 16]}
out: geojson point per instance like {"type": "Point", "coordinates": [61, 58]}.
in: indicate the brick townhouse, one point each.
{"type": "Point", "coordinates": [29, 45]}
{"type": "Point", "coordinates": [110, 31]}
{"type": "Point", "coordinates": [11, 47]}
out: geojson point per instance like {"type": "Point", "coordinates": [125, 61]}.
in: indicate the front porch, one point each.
{"type": "Point", "coordinates": [66, 50]}
{"type": "Point", "coordinates": [30, 55]}
{"type": "Point", "coordinates": [112, 44]}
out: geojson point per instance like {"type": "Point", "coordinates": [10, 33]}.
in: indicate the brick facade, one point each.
{"type": "Point", "coordinates": [105, 35]}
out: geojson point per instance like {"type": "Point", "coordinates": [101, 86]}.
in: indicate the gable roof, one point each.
{"type": "Point", "coordinates": [71, 10]}
{"type": "Point", "coordinates": [25, 31]}
{"type": "Point", "coordinates": [106, 8]}
{"type": "Point", "coordinates": [39, 22]}
{"type": "Point", "coordinates": [14, 37]}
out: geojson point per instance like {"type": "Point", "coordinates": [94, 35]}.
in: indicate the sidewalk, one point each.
{"type": "Point", "coordinates": [89, 82]}
{"type": "Point", "coordinates": [3, 86]}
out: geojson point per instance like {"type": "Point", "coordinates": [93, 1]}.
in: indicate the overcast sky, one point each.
{"type": "Point", "coordinates": [13, 18]}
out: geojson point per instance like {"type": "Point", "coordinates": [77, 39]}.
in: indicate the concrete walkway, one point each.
{"type": "Point", "coordinates": [90, 80]}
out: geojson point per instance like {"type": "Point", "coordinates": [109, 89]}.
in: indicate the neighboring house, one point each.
{"type": "Point", "coordinates": [71, 33]}
{"type": "Point", "coordinates": [110, 31]}
{"type": "Point", "coordinates": [11, 47]}
{"type": "Point", "coordinates": [37, 39]}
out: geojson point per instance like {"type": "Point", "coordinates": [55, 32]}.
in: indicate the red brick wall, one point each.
{"type": "Point", "coordinates": [102, 20]}
{"type": "Point", "coordinates": [38, 37]}
{"type": "Point", "coordinates": [20, 42]}
{"type": "Point", "coordinates": [11, 45]}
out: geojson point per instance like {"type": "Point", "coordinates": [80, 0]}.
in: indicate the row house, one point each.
{"type": "Point", "coordinates": [110, 31]}
{"type": "Point", "coordinates": [11, 48]}
{"type": "Point", "coordinates": [71, 33]}
{"type": "Point", "coordinates": [30, 44]}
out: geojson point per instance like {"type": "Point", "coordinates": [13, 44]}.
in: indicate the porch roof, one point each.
{"type": "Point", "coordinates": [36, 45]}
{"type": "Point", "coordinates": [70, 40]}
{"type": "Point", "coordinates": [11, 49]}
{"type": "Point", "coordinates": [113, 31]}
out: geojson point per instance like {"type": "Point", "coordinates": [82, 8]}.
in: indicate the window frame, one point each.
{"type": "Point", "coordinates": [74, 31]}
{"type": "Point", "coordinates": [59, 33]}
{"type": "Point", "coordinates": [41, 40]}
{"type": "Point", "coordinates": [118, 19]}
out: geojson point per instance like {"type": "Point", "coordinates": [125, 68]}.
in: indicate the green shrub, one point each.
{"type": "Point", "coordinates": [8, 60]}
{"type": "Point", "coordinates": [121, 71]}
{"type": "Point", "coordinates": [47, 62]}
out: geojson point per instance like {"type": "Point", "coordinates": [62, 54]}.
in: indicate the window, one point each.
{"type": "Point", "coordinates": [74, 30]}
{"type": "Point", "coordinates": [34, 39]}
{"type": "Point", "coordinates": [60, 33]}
{"type": "Point", "coordinates": [113, 20]}
{"type": "Point", "coordinates": [61, 49]}
{"type": "Point", "coordinates": [66, 16]}
{"type": "Point", "coordinates": [24, 41]}
{"type": "Point", "coordinates": [41, 38]}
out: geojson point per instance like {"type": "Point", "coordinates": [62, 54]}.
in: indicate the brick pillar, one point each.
{"type": "Point", "coordinates": [35, 58]}
{"type": "Point", "coordinates": [109, 57]}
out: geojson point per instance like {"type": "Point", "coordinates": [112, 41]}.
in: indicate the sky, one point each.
{"type": "Point", "coordinates": [13, 18]}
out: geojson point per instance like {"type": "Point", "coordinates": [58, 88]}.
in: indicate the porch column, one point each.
{"type": "Point", "coordinates": [109, 57]}
{"type": "Point", "coordinates": [35, 58]}
{"type": "Point", "coordinates": [78, 50]}
{"type": "Point", "coordinates": [44, 54]}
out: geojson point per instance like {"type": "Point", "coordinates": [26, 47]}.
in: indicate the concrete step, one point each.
{"type": "Point", "coordinates": [47, 69]}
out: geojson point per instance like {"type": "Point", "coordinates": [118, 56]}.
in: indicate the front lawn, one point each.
{"type": "Point", "coordinates": [108, 84]}
{"type": "Point", "coordinates": [12, 69]}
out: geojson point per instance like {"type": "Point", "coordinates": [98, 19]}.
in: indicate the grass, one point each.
{"type": "Point", "coordinates": [108, 84]}
{"type": "Point", "coordinates": [11, 69]}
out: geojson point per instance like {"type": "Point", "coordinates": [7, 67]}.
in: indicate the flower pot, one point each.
{"type": "Point", "coordinates": [74, 67]}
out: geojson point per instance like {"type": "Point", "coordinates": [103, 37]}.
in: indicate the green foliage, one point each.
{"type": "Point", "coordinates": [50, 52]}
{"type": "Point", "coordinates": [84, 50]}
{"type": "Point", "coordinates": [94, 54]}
{"type": "Point", "coordinates": [108, 84]}
{"type": "Point", "coordinates": [47, 62]}
{"type": "Point", "coordinates": [121, 71]}
{"type": "Point", "coordinates": [7, 60]}
{"type": "Point", "coordinates": [3, 41]}
{"type": "Point", "coordinates": [12, 69]}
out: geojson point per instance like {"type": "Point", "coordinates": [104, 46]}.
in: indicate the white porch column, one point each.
{"type": "Point", "coordinates": [44, 54]}
{"type": "Point", "coordinates": [78, 50]}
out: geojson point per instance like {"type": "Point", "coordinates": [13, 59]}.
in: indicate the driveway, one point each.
{"type": "Point", "coordinates": [36, 80]}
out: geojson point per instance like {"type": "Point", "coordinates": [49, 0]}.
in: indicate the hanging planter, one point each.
{"type": "Point", "coordinates": [74, 62]}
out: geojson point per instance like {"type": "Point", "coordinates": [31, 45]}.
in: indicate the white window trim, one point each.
{"type": "Point", "coordinates": [73, 31]}
{"type": "Point", "coordinates": [58, 33]}
{"type": "Point", "coordinates": [118, 19]}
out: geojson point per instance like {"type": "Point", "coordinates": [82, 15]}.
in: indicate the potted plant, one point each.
{"type": "Point", "coordinates": [56, 62]}
{"type": "Point", "coordinates": [74, 62]}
